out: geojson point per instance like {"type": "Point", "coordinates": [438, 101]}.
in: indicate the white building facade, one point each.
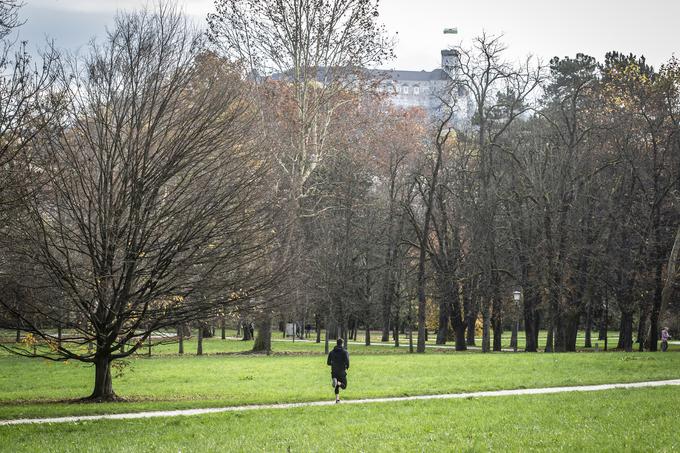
{"type": "Point", "coordinates": [425, 89]}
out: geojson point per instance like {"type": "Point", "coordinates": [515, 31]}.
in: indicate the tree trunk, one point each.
{"type": "Point", "coordinates": [513, 336]}
{"type": "Point", "coordinates": [317, 328]}
{"type": "Point", "coordinates": [602, 331]}
{"type": "Point", "coordinates": [395, 331]}
{"type": "Point", "coordinates": [606, 324]}
{"type": "Point", "coordinates": [332, 330]}
{"type": "Point", "coordinates": [470, 309]}
{"type": "Point", "coordinates": [443, 330]}
{"type": "Point", "coordinates": [180, 335]}
{"type": "Point", "coordinates": [497, 323]}
{"type": "Point", "coordinates": [263, 342]}
{"type": "Point", "coordinates": [456, 314]}
{"type": "Point", "coordinates": [589, 324]}
{"type": "Point", "coordinates": [571, 331]}
{"type": "Point", "coordinates": [653, 334]}
{"type": "Point", "coordinates": [326, 336]}
{"type": "Point", "coordinates": [619, 345]}
{"type": "Point", "coordinates": [344, 333]}
{"type": "Point", "coordinates": [386, 324]}
{"type": "Point", "coordinates": [550, 340]}
{"type": "Point", "coordinates": [537, 326]}
{"type": "Point", "coordinates": [422, 307]}
{"type": "Point", "coordinates": [641, 330]}
{"type": "Point", "coordinates": [199, 341]}
{"type": "Point", "coordinates": [424, 237]}
{"type": "Point", "coordinates": [103, 386]}
{"type": "Point", "coordinates": [368, 334]}
{"type": "Point", "coordinates": [560, 333]}
{"type": "Point", "coordinates": [247, 333]}
{"type": "Point", "coordinates": [486, 340]}
{"type": "Point", "coordinates": [626, 332]}
{"type": "Point", "coordinates": [459, 328]}
{"type": "Point", "coordinates": [471, 326]}
{"type": "Point", "coordinates": [459, 331]}
{"type": "Point", "coordinates": [530, 344]}
{"type": "Point", "coordinates": [223, 325]}
{"type": "Point", "coordinates": [18, 336]}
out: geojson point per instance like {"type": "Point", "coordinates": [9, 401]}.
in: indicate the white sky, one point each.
{"type": "Point", "coordinates": [541, 27]}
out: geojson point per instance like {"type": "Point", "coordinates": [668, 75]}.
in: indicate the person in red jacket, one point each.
{"type": "Point", "coordinates": [338, 360]}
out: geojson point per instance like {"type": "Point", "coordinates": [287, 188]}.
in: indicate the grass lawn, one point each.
{"type": "Point", "coordinates": [30, 388]}
{"type": "Point", "coordinates": [616, 420]}
{"type": "Point", "coordinates": [280, 345]}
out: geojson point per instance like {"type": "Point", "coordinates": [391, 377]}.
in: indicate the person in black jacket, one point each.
{"type": "Point", "coordinates": [338, 360]}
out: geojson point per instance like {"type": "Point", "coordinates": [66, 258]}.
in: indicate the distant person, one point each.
{"type": "Point", "coordinates": [338, 360]}
{"type": "Point", "coordinates": [664, 339]}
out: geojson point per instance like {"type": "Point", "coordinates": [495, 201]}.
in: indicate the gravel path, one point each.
{"type": "Point", "coordinates": [186, 412]}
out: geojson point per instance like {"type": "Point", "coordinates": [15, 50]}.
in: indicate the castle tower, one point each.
{"type": "Point", "coordinates": [450, 60]}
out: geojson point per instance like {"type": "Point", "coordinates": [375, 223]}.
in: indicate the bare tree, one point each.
{"type": "Point", "coordinates": [320, 48]}
{"type": "Point", "coordinates": [9, 16]}
{"type": "Point", "coordinates": [317, 51]}
{"type": "Point", "coordinates": [26, 107]}
{"type": "Point", "coordinates": [151, 212]}
{"type": "Point", "coordinates": [427, 185]}
{"type": "Point", "coordinates": [500, 93]}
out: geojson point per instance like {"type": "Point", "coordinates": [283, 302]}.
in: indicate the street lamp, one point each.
{"type": "Point", "coordinates": [517, 296]}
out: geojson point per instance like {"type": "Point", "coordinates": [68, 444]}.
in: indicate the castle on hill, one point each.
{"type": "Point", "coordinates": [408, 89]}
{"type": "Point", "coordinates": [419, 88]}
{"type": "Point", "coordinates": [425, 89]}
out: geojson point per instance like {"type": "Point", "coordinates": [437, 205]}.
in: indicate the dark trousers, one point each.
{"type": "Point", "coordinates": [342, 381]}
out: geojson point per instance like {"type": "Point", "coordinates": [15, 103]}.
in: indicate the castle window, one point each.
{"type": "Point", "coordinates": [416, 90]}
{"type": "Point", "coordinates": [405, 89]}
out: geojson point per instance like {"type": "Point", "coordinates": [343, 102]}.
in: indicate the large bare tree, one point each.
{"type": "Point", "coordinates": [151, 212]}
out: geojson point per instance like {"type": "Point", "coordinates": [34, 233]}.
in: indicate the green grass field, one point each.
{"type": "Point", "coordinates": [617, 420]}
{"type": "Point", "coordinates": [38, 388]}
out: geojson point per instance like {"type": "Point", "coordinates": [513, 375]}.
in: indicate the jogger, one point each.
{"type": "Point", "coordinates": [338, 360]}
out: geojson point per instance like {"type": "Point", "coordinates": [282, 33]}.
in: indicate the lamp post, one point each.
{"type": "Point", "coordinates": [517, 296]}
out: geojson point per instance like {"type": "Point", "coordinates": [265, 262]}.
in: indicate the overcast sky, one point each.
{"type": "Point", "coordinates": [541, 27]}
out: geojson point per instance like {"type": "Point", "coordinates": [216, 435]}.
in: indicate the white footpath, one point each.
{"type": "Point", "coordinates": [186, 412]}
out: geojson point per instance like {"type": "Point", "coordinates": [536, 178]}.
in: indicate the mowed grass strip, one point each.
{"type": "Point", "coordinates": [31, 388]}
{"type": "Point", "coordinates": [613, 420]}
